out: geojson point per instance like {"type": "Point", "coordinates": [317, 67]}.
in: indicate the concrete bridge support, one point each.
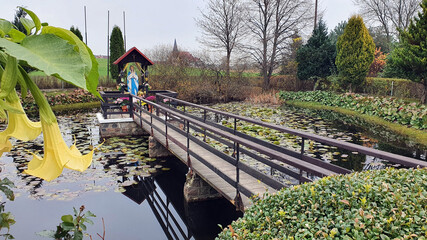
{"type": "Point", "coordinates": [196, 189]}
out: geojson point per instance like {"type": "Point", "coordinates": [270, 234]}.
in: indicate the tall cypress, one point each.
{"type": "Point", "coordinates": [117, 49]}
{"type": "Point", "coordinates": [355, 53]}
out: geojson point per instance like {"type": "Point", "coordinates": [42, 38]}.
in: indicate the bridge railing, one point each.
{"type": "Point", "coordinates": [110, 105]}
{"type": "Point", "coordinates": [302, 165]}
{"type": "Point", "coordinates": [393, 158]}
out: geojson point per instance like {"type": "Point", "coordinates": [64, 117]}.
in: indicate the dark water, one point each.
{"type": "Point", "coordinates": [138, 197]}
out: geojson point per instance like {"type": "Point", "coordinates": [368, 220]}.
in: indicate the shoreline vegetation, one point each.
{"type": "Point", "coordinates": [419, 136]}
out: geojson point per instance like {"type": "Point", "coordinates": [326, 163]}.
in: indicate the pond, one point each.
{"type": "Point", "coordinates": [141, 198]}
{"type": "Point", "coordinates": [137, 197]}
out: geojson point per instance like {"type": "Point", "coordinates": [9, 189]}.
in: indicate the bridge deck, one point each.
{"type": "Point", "coordinates": [222, 186]}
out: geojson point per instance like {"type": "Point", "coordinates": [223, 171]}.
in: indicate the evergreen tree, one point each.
{"type": "Point", "coordinates": [117, 49]}
{"type": "Point", "coordinates": [77, 32]}
{"type": "Point", "coordinates": [355, 53]}
{"type": "Point", "coordinates": [409, 59]}
{"type": "Point", "coordinates": [316, 58]}
{"type": "Point", "coordinates": [16, 20]}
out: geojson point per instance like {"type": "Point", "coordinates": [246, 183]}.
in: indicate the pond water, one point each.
{"type": "Point", "coordinates": [138, 197]}
{"type": "Point", "coordinates": [141, 198]}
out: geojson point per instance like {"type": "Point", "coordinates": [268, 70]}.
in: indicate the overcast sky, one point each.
{"type": "Point", "coordinates": [148, 23]}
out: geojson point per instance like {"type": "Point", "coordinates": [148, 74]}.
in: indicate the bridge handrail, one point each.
{"type": "Point", "coordinates": [394, 158]}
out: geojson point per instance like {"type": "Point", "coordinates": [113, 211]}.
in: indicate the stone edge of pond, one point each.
{"type": "Point", "coordinates": [419, 136]}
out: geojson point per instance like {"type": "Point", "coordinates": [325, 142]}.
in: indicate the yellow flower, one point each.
{"type": "Point", "coordinates": [57, 155]}
{"type": "Point", "coordinates": [19, 127]}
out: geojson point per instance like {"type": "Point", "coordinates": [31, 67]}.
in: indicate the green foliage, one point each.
{"type": "Point", "coordinates": [20, 13]}
{"type": "Point", "coordinates": [396, 87]}
{"type": "Point", "coordinates": [117, 49]}
{"type": "Point", "coordinates": [355, 53]}
{"type": "Point", "coordinates": [77, 32]}
{"type": "Point", "coordinates": [316, 58]}
{"type": "Point", "coordinates": [337, 32]}
{"type": "Point", "coordinates": [391, 109]}
{"type": "Point", "coordinates": [409, 57]}
{"type": "Point", "coordinates": [384, 204]}
{"type": "Point", "coordinates": [6, 218]}
{"type": "Point", "coordinates": [71, 227]}
{"type": "Point", "coordinates": [55, 51]}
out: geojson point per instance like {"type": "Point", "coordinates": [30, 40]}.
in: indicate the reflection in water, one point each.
{"type": "Point", "coordinates": [121, 168]}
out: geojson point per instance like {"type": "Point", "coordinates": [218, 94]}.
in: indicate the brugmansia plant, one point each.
{"type": "Point", "coordinates": [57, 52]}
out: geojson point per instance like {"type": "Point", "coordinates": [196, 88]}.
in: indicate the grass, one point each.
{"type": "Point", "coordinates": [419, 136]}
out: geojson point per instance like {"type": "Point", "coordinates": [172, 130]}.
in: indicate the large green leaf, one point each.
{"type": "Point", "coordinates": [93, 77]}
{"type": "Point", "coordinates": [36, 19]}
{"type": "Point", "coordinates": [5, 26]}
{"type": "Point", "coordinates": [28, 24]}
{"type": "Point", "coordinates": [72, 39]}
{"type": "Point", "coordinates": [9, 77]}
{"type": "Point", "coordinates": [91, 64]}
{"type": "Point", "coordinates": [16, 35]}
{"type": "Point", "coordinates": [50, 54]}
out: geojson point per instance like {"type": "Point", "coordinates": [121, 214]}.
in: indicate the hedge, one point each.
{"type": "Point", "coordinates": [382, 204]}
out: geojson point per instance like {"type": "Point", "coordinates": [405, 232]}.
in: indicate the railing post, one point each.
{"type": "Point", "coordinates": [238, 199]}
{"type": "Point", "coordinates": [188, 146]}
{"type": "Point", "coordinates": [140, 111]}
{"type": "Point", "coordinates": [151, 119]}
{"type": "Point", "coordinates": [130, 106]}
{"type": "Point", "coordinates": [302, 146]}
{"type": "Point", "coordinates": [204, 121]}
{"type": "Point", "coordinates": [166, 130]}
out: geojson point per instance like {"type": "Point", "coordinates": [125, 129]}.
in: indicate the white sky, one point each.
{"type": "Point", "coordinates": [148, 22]}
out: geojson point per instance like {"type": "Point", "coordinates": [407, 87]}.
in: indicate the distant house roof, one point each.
{"type": "Point", "coordinates": [133, 55]}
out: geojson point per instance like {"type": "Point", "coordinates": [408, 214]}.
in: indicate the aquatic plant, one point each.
{"type": "Point", "coordinates": [71, 227]}
{"type": "Point", "coordinates": [385, 204]}
{"type": "Point", "coordinates": [6, 218]}
{"type": "Point", "coordinates": [56, 52]}
{"type": "Point", "coordinates": [391, 109]}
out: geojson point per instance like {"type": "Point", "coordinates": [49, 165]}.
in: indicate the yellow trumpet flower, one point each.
{"type": "Point", "coordinates": [19, 127]}
{"type": "Point", "coordinates": [57, 155]}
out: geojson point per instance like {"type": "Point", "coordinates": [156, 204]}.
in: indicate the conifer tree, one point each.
{"type": "Point", "coordinates": [409, 59]}
{"type": "Point", "coordinates": [316, 58]}
{"type": "Point", "coordinates": [117, 49]}
{"type": "Point", "coordinates": [77, 32]}
{"type": "Point", "coordinates": [355, 53]}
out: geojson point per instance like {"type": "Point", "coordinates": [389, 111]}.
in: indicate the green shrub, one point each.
{"type": "Point", "coordinates": [402, 88]}
{"type": "Point", "coordinates": [384, 204]}
{"type": "Point", "coordinates": [391, 109]}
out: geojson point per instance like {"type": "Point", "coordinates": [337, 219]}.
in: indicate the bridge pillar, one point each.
{"type": "Point", "coordinates": [196, 189]}
{"type": "Point", "coordinates": [156, 149]}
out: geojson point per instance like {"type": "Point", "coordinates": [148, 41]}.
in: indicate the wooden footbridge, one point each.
{"type": "Point", "coordinates": [189, 134]}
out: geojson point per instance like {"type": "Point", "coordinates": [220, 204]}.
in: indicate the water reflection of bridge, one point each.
{"type": "Point", "coordinates": [178, 219]}
{"type": "Point", "coordinates": [193, 138]}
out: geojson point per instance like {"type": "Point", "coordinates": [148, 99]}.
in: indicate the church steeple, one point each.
{"type": "Point", "coordinates": [175, 47]}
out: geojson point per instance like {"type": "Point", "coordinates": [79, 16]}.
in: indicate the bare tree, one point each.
{"type": "Point", "coordinates": [390, 14]}
{"type": "Point", "coordinates": [222, 26]}
{"type": "Point", "coordinates": [272, 24]}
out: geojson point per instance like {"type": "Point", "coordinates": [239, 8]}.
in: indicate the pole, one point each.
{"type": "Point", "coordinates": [108, 47]}
{"type": "Point", "coordinates": [85, 28]}
{"type": "Point", "coordinates": [124, 28]}
{"type": "Point", "coordinates": [315, 15]}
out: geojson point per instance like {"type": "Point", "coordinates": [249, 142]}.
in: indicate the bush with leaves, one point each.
{"type": "Point", "coordinates": [384, 204]}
